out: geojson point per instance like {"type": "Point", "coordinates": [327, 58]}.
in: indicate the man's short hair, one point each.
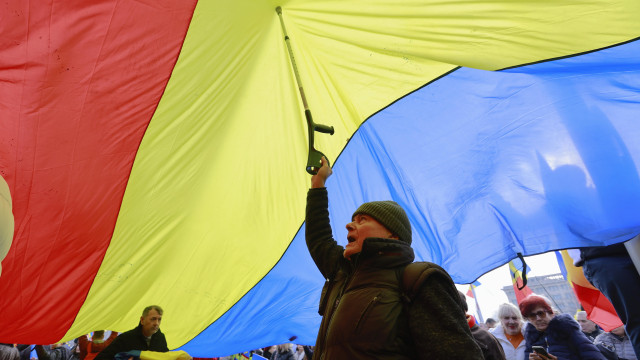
{"type": "Point", "coordinates": [508, 309]}
{"type": "Point", "coordinates": [146, 310]}
{"type": "Point", "coordinates": [490, 321]}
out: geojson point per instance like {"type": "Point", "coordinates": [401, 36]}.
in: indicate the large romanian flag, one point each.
{"type": "Point", "coordinates": [154, 152]}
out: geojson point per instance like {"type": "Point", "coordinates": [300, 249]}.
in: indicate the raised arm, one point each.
{"type": "Point", "coordinates": [318, 180]}
{"type": "Point", "coordinates": [324, 250]}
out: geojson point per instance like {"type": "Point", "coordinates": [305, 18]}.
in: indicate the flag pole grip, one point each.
{"type": "Point", "coordinates": [314, 159]}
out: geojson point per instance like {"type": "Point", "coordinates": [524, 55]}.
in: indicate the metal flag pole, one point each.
{"type": "Point", "coordinates": [475, 297]}
{"type": "Point", "coordinates": [314, 159]}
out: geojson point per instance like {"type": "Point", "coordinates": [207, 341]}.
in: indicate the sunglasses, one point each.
{"type": "Point", "coordinates": [535, 315]}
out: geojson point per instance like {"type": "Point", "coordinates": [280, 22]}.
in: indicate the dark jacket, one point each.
{"type": "Point", "coordinates": [133, 340]}
{"type": "Point", "coordinates": [563, 339]}
{"type": "Point", "coordinates": [594, 334]}
{"type": "Point", "coordinates": [60, 353]}
{"type": "Point", "coordinates": [601, 251]}
{"type": "Point", "coordinates": [364, 315]}
{"type": "Point", "coordinates": [285, 355]}
{"type": "Point", "coordinates": [614, 347]}
{"type": "Point", "coordinates": [490, 346]}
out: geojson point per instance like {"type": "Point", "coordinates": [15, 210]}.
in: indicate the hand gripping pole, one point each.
{"type": "Point", "coordinates": [313, 160]}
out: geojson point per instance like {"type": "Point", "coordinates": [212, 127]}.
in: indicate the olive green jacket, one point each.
{"type": "Point", "coordinates": [366, 312]}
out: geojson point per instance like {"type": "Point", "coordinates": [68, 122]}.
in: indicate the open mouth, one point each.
{"type": "Point", "coordinates": [351, 239]}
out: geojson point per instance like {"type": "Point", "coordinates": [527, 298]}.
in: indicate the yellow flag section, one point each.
{"type": "Point", "coordinates": [153, 355]}
{"type": "Point", "coordinates": [218, 186]}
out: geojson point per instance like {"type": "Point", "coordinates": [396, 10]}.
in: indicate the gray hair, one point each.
{"type": "Point", "coordinates": [508, 309]}
{"type": "Point", "coordinates": [146, 310]}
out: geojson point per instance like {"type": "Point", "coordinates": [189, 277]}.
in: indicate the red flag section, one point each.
{"type": "Point", "coordinates": [72, 120]}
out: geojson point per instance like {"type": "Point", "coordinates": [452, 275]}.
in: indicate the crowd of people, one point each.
{"type": "Point", "coordinates": [516, 336]}
{"type": "Point", "coordinates": [287, 351]}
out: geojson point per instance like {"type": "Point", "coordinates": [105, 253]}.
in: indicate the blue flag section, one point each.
{"type": "Point", "coordinates": [487, 165]}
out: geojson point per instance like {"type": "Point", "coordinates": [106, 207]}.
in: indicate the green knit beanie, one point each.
{"type": "Point", "coordinates": [390, 215]}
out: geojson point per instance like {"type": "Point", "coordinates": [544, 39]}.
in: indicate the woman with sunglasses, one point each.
{"type": "Point", "coordinates": [509, 332]}
{"type": "Point", "coordinates": [557, 337]}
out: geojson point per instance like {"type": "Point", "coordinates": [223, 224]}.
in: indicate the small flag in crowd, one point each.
{"type": "Point", "coordinates": [472, 287]}
{"type": "Point", "coordinates": [515, 267]}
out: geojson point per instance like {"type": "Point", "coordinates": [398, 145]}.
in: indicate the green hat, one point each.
{"type": "Point", "coordinates": [390, 215]}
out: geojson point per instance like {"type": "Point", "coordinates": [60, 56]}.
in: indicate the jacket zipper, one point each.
{"type": "Point", "coordinates": [335, 307]}
{"type": "Point", "coordinates": [371, 304]}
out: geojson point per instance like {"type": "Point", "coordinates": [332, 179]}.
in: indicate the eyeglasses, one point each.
{"type": "Point", "coordinates": [535, 315]}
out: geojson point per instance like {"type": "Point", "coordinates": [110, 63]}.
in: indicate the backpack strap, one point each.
{"type": "Point", "coordinates": [414, 276]}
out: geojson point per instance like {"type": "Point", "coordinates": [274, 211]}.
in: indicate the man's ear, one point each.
{"type": "Point", "coordinates": [141, 318]}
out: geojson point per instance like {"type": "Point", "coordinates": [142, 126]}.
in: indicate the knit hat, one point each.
{"type": "Point", "coordinates": [390, 215]}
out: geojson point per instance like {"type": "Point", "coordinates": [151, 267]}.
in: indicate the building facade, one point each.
{"type": "Point", "coordinates": [555, 287]}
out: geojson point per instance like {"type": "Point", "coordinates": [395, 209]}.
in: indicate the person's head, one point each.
{"type": "Point", "coordinates": [299, 348]}
{"type": "Point", "coordinates": [586, 325]}
{"type": "Point", "coordinates": [97, 335]}
{"type": "Point", "coordinates": [510, 319]}
{"type": "Point", "coordinates": [282, 348]}
{"type": "Point", "coordinates": [619, 331]}
{"type": "Point", "coordinates": [491, 323]}
{"type": "Point", "coordinates": [463, 301]}
{"type": "Point", "coordinates": [537, 310]}
{"type": "Point", "coordinates": [383, 219]}
{"type": "Point", "coordinates": [151, 319]}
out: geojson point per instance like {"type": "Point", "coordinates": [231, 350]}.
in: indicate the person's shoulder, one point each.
{"type": "Point", "coordinates": [563, 325]}
{"type": "Point", "coordinates": [605, 336]}
{"type": "Point", "coordinates": [425, 265]}
{"type": "Point", "coordinates": [479, 332]}
{"type": "Point", "coordinates": [565, 320]}
{"type": "Point", "coordinates": [417, 274]}
{"type": "Point", "coordinates": [129, 334]}
{"type": "Point", "coordinates": [529, 331]}
{"type": "Point", "coordinates": [159, 334]}
{"type": "Point", "coordinates": [498, 332]}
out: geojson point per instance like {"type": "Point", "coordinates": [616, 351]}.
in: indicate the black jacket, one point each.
{"type": "Point", "coordinates": [491, 348]}
{"type": "Point", "coordinates": [365, 315]}
{"type": "Point", "coordinates": [563, 339]}
{"type": "Point", "coordinates": [133, 340]}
